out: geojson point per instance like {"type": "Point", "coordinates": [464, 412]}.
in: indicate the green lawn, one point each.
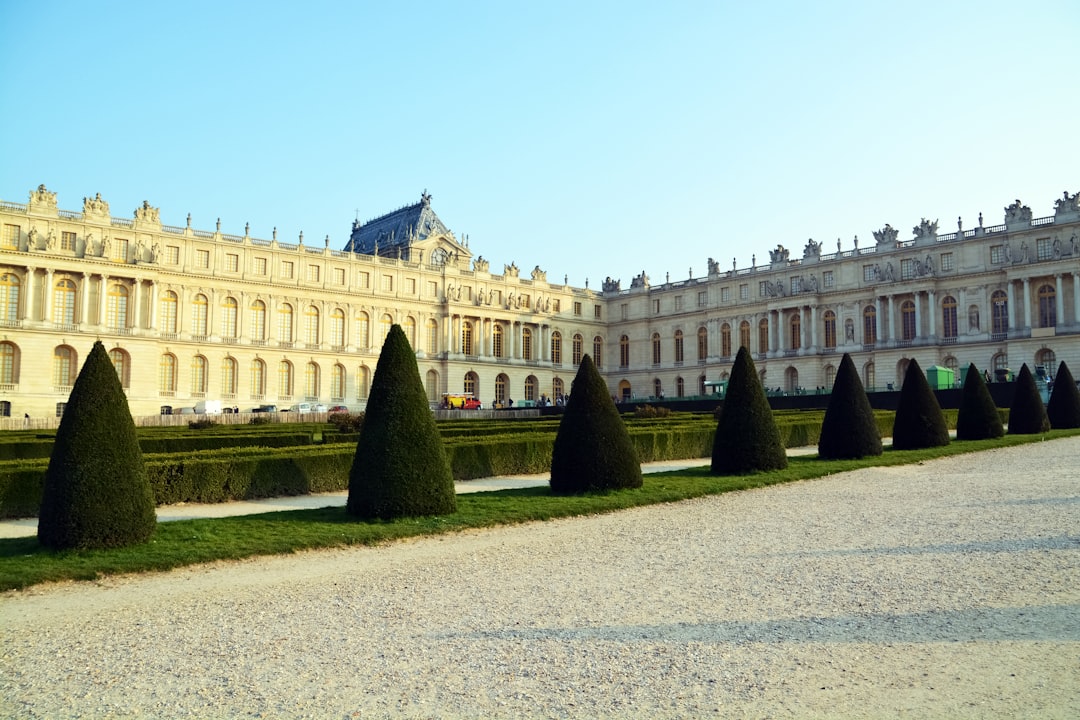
{"type": "Point", "coordinates": [23, 562]}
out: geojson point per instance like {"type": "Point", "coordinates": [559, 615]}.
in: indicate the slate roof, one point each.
{"type": "Point", "coordinates": [396, 231]}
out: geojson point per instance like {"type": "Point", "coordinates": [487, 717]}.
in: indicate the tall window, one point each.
{"type": "Point", "coordinates": [556, 387]}
{"type": "Point", "coordinates": [9, 298]}
{"type": "Point", "coordinates": [229, 311]}
{"type": "Point", "coordinates": [198, 375]}
{"type": "Point", "coordinates": [678, 346]}
{"type": "Point", "coordinates": [830, 377]}
{"type": "Point", "coordinates": [285, 380]}
{"type": "Point", "coordinates": [64, 302]}
{"type": "Point", "coordinates": [258, 379]}
{"type": "Point", "coordinates": [725, 340]}
{"type": "Point", "coordinates": [467, 338]}
{"type": "Point", "coordinates": [363, 326]}
{"type": "Point", "coordinates": [556, 348]}
{"type": "Point", "coordinates": [167, 375]}
{"type": "Point", "coordinates": [500, 388]}
{"type": "Point", "coordinates": [432, 337]}
{"type": "Point", "coordinates": [680, 387]}
{"type": "Point", "coordinates": [285, 324]}
{"type": "Point", "coordinates": [64, 366]}
{"type": "Point", "coordinates": [658, 388]}
{"type": "Point", "coordinates": [830, 329]}
{"type": "Point", "coordinates": [337, 382]}
{"type": "Point", "coordinates": [116, 307]}
{"type": "Point", "coordinates": [948, 317]}
{"type": "Point", "coordinates": [702, 344]}
{"type": "Point", "coordinates": [1047, 306]}
{"type": "Point", "coordinates": [337, 327]}
{"type": "Point", "coordinates": [9, 371]}
{"type": "Point", "coordinates": [907, 320]}
{"type": "Point", "coordinates": [497, 340]}
{"type": "Point", "coordinates": [530, 388]}
{"type": "Point", "coordinates": [198, 315]}
{"type": "Point", "coordinates": [577, 349]}
{"type": "Point", "coordinates": [624, 351]}
{"type": "Point", "coordinates": [228, 377]}
{"type": "Point", "coordinates": [999, 305]}
{"type": "Point", "coordinates": [1048, 360]}
{"type": "Point", "coordinates": [409, 326]}
{"type": "Point", "coordinates": [796, 331]}
{"type": "Point", "coordinates": [869, 331]}
{"type": "Point", "coordinates": [122, 363]}
{"type": "Point", "coordinates": [257, 328]}
{"type": "Point", "coordinates": [744, 335]}
{"type": "Point", "coordinates": [167, 312]}
{"type": "Point", "coordinates": [311, 381]}
{"type": "Point", "coordinates": [363, 382]}
{"type": "Point", "coordinates": [598, 351]}
{"type": "Point", "coordinates": [385, 323]}
{"type": "Point", "coordinates": [311, 325]}
{"type": "Point", "coordinates": [868, 376]}
{"type": "Point", "coordinates": [470, 384]}
{"type": "Point", "coordinates": [526, 343]}
{"type": "Point", "coordinates": [432, 381]}
{"type": "Point", "coordinates": [656, 349]}
{"type": "Point", "coordinates": [763, 336]}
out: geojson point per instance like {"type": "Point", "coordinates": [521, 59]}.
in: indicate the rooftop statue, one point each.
{"type": "Point", "coordinates": [611, 285]}
{"type": "Point", "coordinates": [42, 196]}
{"type": "Point", "coordinates": [925, 229]}
{"type": "Point", "coordinates": [511, 270]}
{"type": "Point", "coordinates": [147, 213]}
{"type": "Point", "coordinates": [480, 264]}
{"type": "Point", "coordinates": [95, 206]}
{"type": "Point", "coordinates": [886, 236]}
{"type": "Point", "coordinates": [1017, 212]}
{"type": "Point", "coordinates": [780, 254]}
{"type": "Point", "coordinates": [1067, 203]}
{"type": "Point", "coordinates": [538, 274]}
{"type": "Point", "coordinates": [812, 249]}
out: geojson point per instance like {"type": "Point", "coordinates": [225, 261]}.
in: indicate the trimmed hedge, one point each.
{"type": "Point", "coordinates": [1027, 416]}
{"type": "Point", "coordinates": [919, 422]}
{"type": "Point", "coordinates": [746, 437]}
{"type": "Point", "coordinates": [1063, 410]}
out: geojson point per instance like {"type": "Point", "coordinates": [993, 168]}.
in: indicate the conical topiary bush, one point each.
{"type": "Point", "coordinates": [1063, 410]}
{"type": "Point", "coordinates": [592, 448]}
{"type": "Point", "coordinates": [919, 422]}
{"type": "Point", "coordinates": [849, 430]}
{"type": "Point", "coordinates": [747, 439]}
{"type": "Point", "coordinates": [1027, 415]}
{"type": "Point", "coordinates": [96, 494]}
{"type": "Point", "coordinates": [978, 418]}
{"type": "Point", "coordinates": [400, 468]}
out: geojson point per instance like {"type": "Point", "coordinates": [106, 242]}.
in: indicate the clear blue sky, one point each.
{"type": "Point", "coordinates": [592, 139]}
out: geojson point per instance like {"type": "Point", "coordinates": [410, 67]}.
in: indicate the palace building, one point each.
{"type": "Point", "coordinates": [193, 315]}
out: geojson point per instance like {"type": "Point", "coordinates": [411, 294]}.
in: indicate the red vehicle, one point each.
{"type": "Point", "coordinates": [461, 401]}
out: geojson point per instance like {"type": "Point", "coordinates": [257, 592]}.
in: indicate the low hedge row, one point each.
{"type": "Point", "coordinates": [38, 448]}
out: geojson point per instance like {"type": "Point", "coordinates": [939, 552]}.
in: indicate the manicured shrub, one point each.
{"type": "Point", "coordinates": [919, 422]}
{"type": "Point", "coordinates": [96, 492]}
{"type": "Point", "coordinates": [978, 417]}
{"type": "Point", "coordinates": [651, 411]}
{"type": "Point", "coordinates": [259, 420]}
{"type": "Point", "coordinates": [1027, 415]}
{"type": "Point", "coordinates": [592, 448]}
{"type": "Point", "coordinates": [1063, 410]}
{"type": "Point", "coordinates": [201, 424]}
{"type": "Point", "coordinates": [346, 422]}
{"type": "Point", "coordinates": [747, 439]}
{"type": "Point", "coordinates": [850, 429]}
{"type": "Point", "coordinates": [400, 468]}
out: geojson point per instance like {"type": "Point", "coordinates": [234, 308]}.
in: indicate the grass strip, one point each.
{"type": "Point", "coordinates": [23, 562]}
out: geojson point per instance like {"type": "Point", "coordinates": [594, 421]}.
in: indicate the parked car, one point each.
{"type": "Point", "coordinates": [264, 409]}
{"type": "Point", "coordinates": [318, 408]}
{"type": "Point", "coordinates": [339, 409]}
{"type": "Point", "coordinates": [300, 408]}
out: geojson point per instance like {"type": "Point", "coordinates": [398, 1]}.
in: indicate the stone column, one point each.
{"type": "Point", "coordinates": [813, 327]}
{"type": "Point", "coordinates": [1060, 300]}
{"type": "Point", "coordinates": [931, 307]}
{"type": "Point", "coordinates": [137, 316]}
{"type": "Point", "coordinates": [1076, 299]}
{"type": "Point", "coordinates": [1012, 309]}
{"type": "Point", "coordinates": [104, 292]}
{"type": "Point", "coordinates": [918, 315]}
{"type": "Point", "coordinates": [1027, 304]}
{"type": "Point", "coordinates": [892, 321]}
{"type": "Point", "coordinates": [152, 301]}
{"type": "Point", "coordinates": [28, 297]}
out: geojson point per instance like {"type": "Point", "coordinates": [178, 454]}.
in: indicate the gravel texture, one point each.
{"type": "Point", "coordinates": [945, 589]}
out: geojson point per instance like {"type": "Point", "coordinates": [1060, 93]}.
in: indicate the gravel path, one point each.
{"type": "Point", "coordinates": [947, 589]}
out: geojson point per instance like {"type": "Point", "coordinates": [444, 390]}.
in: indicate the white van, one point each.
{"type": "Point", "coordinates": [301, 408]}
{"type": "Point", "coordinates": [208, 407]}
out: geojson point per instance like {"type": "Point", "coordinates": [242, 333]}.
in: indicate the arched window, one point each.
{"type": "Point", "coordinates": [999, 362]}
{"type": "Point", "coordinates": [9, 363]}
{"type": "Point", "coordinates": [311, 381]}
{"type": "Point", "coordinates": [901, 371]}
{"type": "Point", "coordinates": [65, 365]}
{"type": "Point", "coordinates": [624, 351]}
{"type": "Point", "coordinates": [467, 338]}
{"type": "Point", "coordinates": [285, 324]}
{"type": "Point", "coordinates": [530, 388]}
{"type": "Point", "coordinates": [678, 347]}
{"type": "Point", "coordinates": [702, 344]}
{"type": "Point", "coordinates": [337, 328]}
{"type": "Point", "coordinates": [258, 321]}
{"type": "Point", "coordinates": [168, 312]}
{"type": "Point", "coordinates": [526, 343]}
{"type": "Point", "coordinates": [64, 302]}
{"type": "Point", "coordinates": [868, 377]}
{"type": "Point", "coordinates": [556, 348]}
{"type": "Point", "coordinates": [907, 320]}
{"type": "Point", "coordinates": [409, 326]}
{"type": "Point", "coordinates": [385, 323]}
{"type": "Point", "coordinates": [1047, 306]}
{"type": "Point", "coordinates": [953, 364]}
{"type": "Point", "coordinates": [598, 351]}
{"type": "Point", "coordinates": [167, 375]}
{"type": "Point", "coordinates": [1048, 360]}
{"type": "Point", "coordinates": [578, 342]}
{"type": "Point", "coordinates": [122, 363]}
{"type": "Point", "coordinates": [229, 311]}
{"type": "Point", "coordinates": [228, 377]}
{"type": "Point", "coordinates": [791, 379]}
{"type": "Point", "coordinates": [999, 306]}
{"type": "Point", "coordinates": [311, 325]}
{"type": "Point", "coordinates": [9, 298]}
{"type": "Point", "coordinates": [363, 327]}
{"type": "Point", "coordinates": [199, 307]}
{"type": "Point", "coordinates": [656, 349]}
{"type": "Point", "coordinates": [497, 340]}
{"type": "Point", "coordinates": [869, 329]}
{"type": "Point", "coordinates": [363, 382]}
{"type": "Point", "coordinates": [432, 341]}
{"type": "Point", "coordinates": [763, 336]}
{"type": "Point", "coordinates": [725, 340]}
{"type": "Point", "coordinates": [258, 379]}
{"type": "Point", "coordinates": [432, 385]}
{"type": "Point", "coordinates": [285, 380]}
{"type": "Point", "coordinates": [744, 335]}
{"type": "Point", "coordinates": [116, 307]}
{"type": "Point", "coordinates": [829, 319]}
{"type": "Point", "coordinates": [625, 391]}
{"type": "Point", "coordinates": [830, 377]}
{"type": "Point", "coordinates": [701, 385]}
{"type": "Point", "coordinates": [557, 388]}
{"type": "Point", "coordinates": [680, 388]}
{"type": "Point", "coordinates": [470, 384]}
{"type": "Point", "coordinates": [658, 388]}
{"type": "Point", "coordinates": [198, 375]}
{"type": "Point", "coordinates": [796, 331]}
{"type": "Point", "coordinates": [948, 317]}
{"type": "Point", "coordinates": [500, 388]}
{"type": "Point", "coordinates": [337, 383]}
